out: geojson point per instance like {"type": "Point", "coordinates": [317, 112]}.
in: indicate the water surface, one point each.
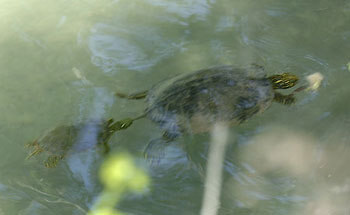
{"type": "Point", "coordinates": [61, 63]}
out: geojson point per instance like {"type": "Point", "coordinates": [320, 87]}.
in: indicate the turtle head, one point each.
{"type": "Point", "coordinates": [283, 81]}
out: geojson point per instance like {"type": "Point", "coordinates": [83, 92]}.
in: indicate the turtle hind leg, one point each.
{"type": "Point", "coordinates": [155, 149]}
{"type": "Point", "coordinates": [53, 160]}
{"type": "Point", "coordinates": [133, 96]}
{"type": "Point", "coordinates": [284, 99]}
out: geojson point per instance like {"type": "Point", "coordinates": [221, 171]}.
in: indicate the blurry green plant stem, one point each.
{"type": "Point", "coordinates": [213, 178]}
{"type": "Point", "coordinates": [107, 200]}
{"type": "Point", "coordinates": [119, 175]}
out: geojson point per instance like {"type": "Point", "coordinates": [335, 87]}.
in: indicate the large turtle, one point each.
{"type": "Point", "coordinates": [227, 94]}
{"type": "Point", "coordinates": [60, 141]}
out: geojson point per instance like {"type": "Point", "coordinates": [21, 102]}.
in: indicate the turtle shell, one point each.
{"type": "Point", "coordinates": [78, 137]}
{"type": "Point", "coordinates": [66, 139]}
{"type": "Point", "coordinates": [194, 102]}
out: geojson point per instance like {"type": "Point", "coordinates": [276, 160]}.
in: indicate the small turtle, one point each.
{"type": "Point", "coordinates": [58, 142]}
{"type": "Point", "coordinates": [195, 102]}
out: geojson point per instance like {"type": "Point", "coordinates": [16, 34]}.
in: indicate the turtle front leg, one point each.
{"type": "Point", "coordinates": [135, 96]}
{"type": "Point", "coordinates": [284, 99]}
{"type": "Point", "coordinates": [109, 130]}
{"type": "Point", "coordinates": [120, 125]}
{"type": "Point", "coordinates": [37, 149]}
{"type": "Point", "coordinates": [111, 127]}
{"type": "Point", "coordinates": [123, 124]}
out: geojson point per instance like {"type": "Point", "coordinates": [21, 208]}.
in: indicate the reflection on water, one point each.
{"type": "Point", "coordinates": [61, 63]}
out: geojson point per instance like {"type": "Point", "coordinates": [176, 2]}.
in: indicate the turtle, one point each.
{"type": "Point", "coordinates": [194, 102]}
{"type": "Point", "coordinates": [61, 140]}
{"type": "Point", "coordinates": [191, 102]}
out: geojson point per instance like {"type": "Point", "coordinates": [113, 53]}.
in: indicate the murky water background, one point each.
{"type": "Point", "coordinates": [62, 61]}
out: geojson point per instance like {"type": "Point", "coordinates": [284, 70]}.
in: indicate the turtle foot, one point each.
{"type": "Point", "coordinates": [53, 160]}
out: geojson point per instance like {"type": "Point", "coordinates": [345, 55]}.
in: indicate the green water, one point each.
{"type": "Point", "coordinates": [62, 61]}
